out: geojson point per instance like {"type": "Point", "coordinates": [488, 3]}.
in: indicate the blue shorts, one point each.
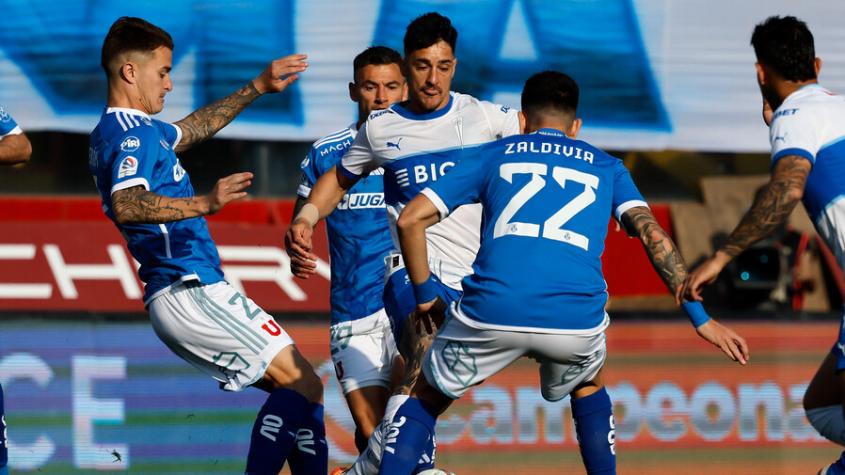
{"type": "Point", "coordinates": [399, 300]}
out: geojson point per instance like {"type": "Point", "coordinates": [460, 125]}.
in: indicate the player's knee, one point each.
{"type": "Point", "coordinates": [829, 422]}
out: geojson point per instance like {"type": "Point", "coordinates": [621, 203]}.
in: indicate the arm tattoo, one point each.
{"type": "Point", "coordinates": [137, 205]}
{"type": "Point", "coordinates": [664, 256]}
{"type": "Point", "coordinates": [772, 205]}
{"type": "Point", "coordinates": [203, 123]}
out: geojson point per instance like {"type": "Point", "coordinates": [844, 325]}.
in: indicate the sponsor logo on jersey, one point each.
{"type": "Point", "coordinates": [178, 171]}
{"type": "Point", "coordinates": [4, 116]}
{"type": "Point", "coordinates": [128, 167]}
{"type": "Point", "coordinates": [395, 144]}
{"type": "Point", "coordinates": [505, 109]}
{"type": "Point", "coordinates": [361, 201]}
{"type": "Point", "coordinates": [785, 112]}
{"type": "Point", "coordinates": [130, 144]}
{"type": "Point", "coordinates": [379, 113]}
{"type": "Point", "coordinates": [335, 147]}
{"type": "Point", "coordinates": [422, 173]}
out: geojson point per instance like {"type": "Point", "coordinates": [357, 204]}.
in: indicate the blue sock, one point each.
{"type": "Point", "coordinates": [311, 453]}
{"type": "Point", "coordinates": [4, 452]}
{"type": "Point", "coordinates": [595, 428]}
{"type": "Point", "coordinates": [409, 435]}
{"type": "Point", "coordinates": [274, 431]}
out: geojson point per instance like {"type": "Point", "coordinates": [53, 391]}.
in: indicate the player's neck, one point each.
{"type": "Point", "coordinates": [786, 88]}
{"type": "Point", "coordinates": [123, 99]}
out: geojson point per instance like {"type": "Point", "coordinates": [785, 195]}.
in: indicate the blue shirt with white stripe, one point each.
{"type": "Point", "coordinates": [546, 200]}
{"type": "Point", "coordinates": [359, 235]}
{"type": "Point", "coordinates": [8, 126]}
{"type": "Point", "coordinates": [129, 148]}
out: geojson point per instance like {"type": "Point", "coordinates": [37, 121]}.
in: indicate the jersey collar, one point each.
{"type": "Point", "coordinates": [127, 110]}
{"type": "Point", "coordinates": [399, 109]}
{"type": "Point", "coordinates": [552, 132]}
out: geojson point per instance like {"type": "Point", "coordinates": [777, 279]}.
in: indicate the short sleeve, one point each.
{"type": "Point", "coordinates": [795, 131]}
{"type": "Point", "coordinates": [135, 159]}
{"type": "Point", "coordinates": [309, 174]}
{"type": "Point", "coordinates": [359, 160]}
{"type": "Point", "coordinates": [461, 185]}
{"type": "Point", "coordinates": [504, 121]}
{"type": "Point", "coordinates": [625, 192]}
{"type": "Point", "coordinates": [171, 132]}
{"type": "Point", "coordinates": [8, 126]}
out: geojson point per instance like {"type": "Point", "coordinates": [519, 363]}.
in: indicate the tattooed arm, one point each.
{"type": "Point", "coordinates": [771, 208]}
{"type": "Point", "coordinates": [664, 256]}
{"type": "Point", "coordinates": [136, 205]}
{"type": "Point", "coordinates": [203, 123]}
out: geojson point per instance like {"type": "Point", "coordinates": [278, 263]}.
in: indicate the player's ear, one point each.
{"type": "Point", "coordinates": [128, 71]}
{"type": "Point", "coordinates": [761, 73]}
{"type": "Point", "coordinates": [817, 64]}
{"type": "Point", "coordinates": [353, 92]}
{"type": "Point", "coordinates": [575, 128]}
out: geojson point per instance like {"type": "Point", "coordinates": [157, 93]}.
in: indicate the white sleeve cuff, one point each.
{"type": "Point", "coordinates": [129, 184]}
{"type": "Point", "coordinates": [438, 202]}
{"type": "Point", "coordinates": [303, 191]}
{"type": "Point", "coordinates": [620, 210]}
{"type": "Point", "coordinates": [16, 131]}
{"type": "Point", "coordinates": [178, 136]}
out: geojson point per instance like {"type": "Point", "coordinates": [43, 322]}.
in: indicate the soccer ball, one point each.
{"type": "Point", "coordinates": [434, 471]}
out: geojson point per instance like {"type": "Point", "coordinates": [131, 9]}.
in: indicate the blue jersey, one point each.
{"type": "Point", "coordinates": [129, 148]}
{"type": "Point", "coordinates": [546, 200]}
{"type": "Point", "coordinates": [8, 126]}
{"type": "Point", "coordinates": [359, 236]}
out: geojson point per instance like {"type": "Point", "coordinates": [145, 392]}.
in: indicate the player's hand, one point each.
{"type": "Point", "coordinates": [228, 189]}
{"type": "Point", "coordinates": [298, 244]}
{"type": "Point", "coordinates": [281, 73]}
{"type": "Point", "coordinates": [725, 339]}
{"type": "Point", "coordinates": [702, 275]}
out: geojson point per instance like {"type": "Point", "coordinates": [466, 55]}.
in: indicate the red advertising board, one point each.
{"type": "Point", "coordinates": [63, 254]}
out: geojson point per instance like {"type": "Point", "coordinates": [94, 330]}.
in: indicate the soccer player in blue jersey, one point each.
{"type": "Point", "coordinates": [537, 288]}
{"type": "Point", "coordinates": [807, 135]}
{"type": "Point", "coordinates": [414, 142]}
{"type": "Point", "coordinates": [149, 196]}
{"type": "Point", "coordinates": [362, 345]}
{"type": "Point", "coordinates": [14, 148]}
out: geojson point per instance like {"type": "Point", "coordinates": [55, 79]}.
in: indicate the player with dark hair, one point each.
{"type": "Point", "coordinates": [807, 135]}
{"type": "Point", "coordinates": [362, 346]}
{"type": "Point", "coordinates": [149, 196]}
{"type": "Point", "coordinates": [14, 148]}
{"type": "Point", "coordinates": [415, 142]}
{"type": "Point", "coordinates": [538, 288]}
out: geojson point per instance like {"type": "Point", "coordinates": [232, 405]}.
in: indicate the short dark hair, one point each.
{"type": "Point", "coordinates": [376, 56]}
{"type": "Point", "coordinates": [132, 34]}
{"type": "Point", "coordinates": [550, 91]}
{"type": "Point", "coordinates": [785, 44]}
{"type": "Point", "coordinates": [428, 29]}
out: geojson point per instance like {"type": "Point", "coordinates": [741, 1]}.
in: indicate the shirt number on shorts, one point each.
{"type": "Point", "coordinates": [249, 312]}
{"type": "Point", "coordinates": [553, 226]}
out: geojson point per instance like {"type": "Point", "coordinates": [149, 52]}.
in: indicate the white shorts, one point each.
{"type": "Point", "coordinates": [363, 351]}
{"type": "Point", "coordinates": [462, 356]}
{"type": "Point", "coordinates": [220, 331]}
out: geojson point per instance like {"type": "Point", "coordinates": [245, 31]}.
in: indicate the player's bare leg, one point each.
{"type": "Point", "coordinates": [290, 424]}
{"type": "Point", "coordinates": [367, 408]}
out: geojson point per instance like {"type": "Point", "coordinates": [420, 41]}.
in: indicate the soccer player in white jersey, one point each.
{"type": "Point", "coordinates": [362, 345]}
{"type": "Point", "coordinates": [537, 288]}
{"type": "Point", "coordinates": [415, 142]}
{"type": "Point", "coordinates": [14, 148]}
{"type": "Point", "coordinates": [807, 135]}
{"type": "Point", "coordinates": [149, 196]}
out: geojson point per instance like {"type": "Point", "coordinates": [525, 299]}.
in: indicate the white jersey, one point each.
{"type": "Point", "coordinates": [811, 123]}
{"type": "Point", "coordinates": [417, 149]}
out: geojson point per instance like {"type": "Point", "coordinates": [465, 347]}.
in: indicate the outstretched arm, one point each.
{"type": "Point", "coordinates": [137, 205]}
{"type": "Point", "coordinates": [203, 123]}
{"type": "Point", "coordinates": [14, 149]}
{"type": "Point", "coordinates": [323, 199]}
{"type": "Point", "coordinates": [771, 208]}
{"type": "Point", "coordinates": [669, 264]}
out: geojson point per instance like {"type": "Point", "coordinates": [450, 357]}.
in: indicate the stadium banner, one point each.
{"type": "Point", "coordinates": [60, 254]}
{"type": "Point", "coordinates": [89, 397]}
{"type": "Point", "coordinates": [654, 74]}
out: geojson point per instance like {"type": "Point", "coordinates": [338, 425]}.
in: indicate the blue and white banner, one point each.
{"type": "Point", "coordinates": [654, 73]}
